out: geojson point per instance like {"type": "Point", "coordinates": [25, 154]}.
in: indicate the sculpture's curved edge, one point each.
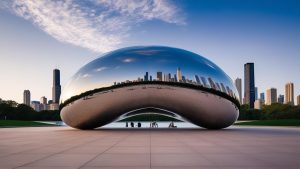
{"type": "Point", "coordinates": [199, 107]}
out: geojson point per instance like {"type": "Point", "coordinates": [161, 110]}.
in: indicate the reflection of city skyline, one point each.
{"type": "Point", "coordinates": [180, 78]}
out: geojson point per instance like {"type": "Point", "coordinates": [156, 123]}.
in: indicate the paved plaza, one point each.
{"type": "Point", "coordinates": [67, 148]}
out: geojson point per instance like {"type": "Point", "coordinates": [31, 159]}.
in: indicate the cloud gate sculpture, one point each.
{"type": "Point", "coordinates": [136, 80]}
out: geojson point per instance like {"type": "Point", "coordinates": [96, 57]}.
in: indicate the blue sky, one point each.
{"type": "Point", "coordinates": [37, 36]}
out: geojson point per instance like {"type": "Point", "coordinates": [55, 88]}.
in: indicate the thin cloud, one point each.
{"type": "Point", "coordinates": [98, 25]}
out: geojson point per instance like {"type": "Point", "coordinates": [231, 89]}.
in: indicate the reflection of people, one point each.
{"type": "Point", "coordinates": [153, 124]}
{"type": "Point", "coordinates": [131, 124]}
{"type": "Point", "coordinates": [171, 125]}
{"type": "Point", "coordinates": [139, 124]}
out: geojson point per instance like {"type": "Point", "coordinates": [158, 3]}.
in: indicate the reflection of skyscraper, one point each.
{"type": "Point", "coordinates": [212, 84]}
{"type": "Point", "coordinates": [289, 93]}
{"type": "Point", "coordinates": [56, 89]}
{"type": "Point", "coordinates": [280, 99]}
{"type": "Point", "coordinates": [249, 83]}
{"type": "Point", "coordinates": [167, 77]}
{"type": "Point", "coordinates": [175, 78]}
{"type": "Point", "coordinates": [197, 80]}
{"type": "Point", "coordinates": [271, 96]}
{"type": "Point", "coordinates": [204, 81]}
{"type": "Point", "coordinates": [183, 79]}
{"type": "Point", "coordinates": [179, 75]}
{"type": "Point", "coordinates": [146, 76]}
{"type": "Point", "coordinates": [218, 86]}
{"type": "Point", "coordinates": [298, 100]}
{"type": "Point", "coordinates": [223, 88]}
{"type": "Point", "coordinates": [26, 97]}
{"type": "Point", "coordinates": [150, 78]}
{"type": "Point", "coordinates": [238, 85]}
{"type": "Point", "coordinates": [159, 76]}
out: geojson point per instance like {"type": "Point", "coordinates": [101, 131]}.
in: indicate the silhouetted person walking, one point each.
{"type": "Point", "coordinates": [132, 124]}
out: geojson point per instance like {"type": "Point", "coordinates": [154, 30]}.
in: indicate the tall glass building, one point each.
{"type": "Point", "coordinates": [249, 89]}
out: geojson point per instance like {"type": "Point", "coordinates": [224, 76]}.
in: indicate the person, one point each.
{"type": "Point", "coordinates": [132, 124]}
{"type": "Point", "coordinates": [126, 124]}
{"type": "Point", "coordinates": [139, 124]}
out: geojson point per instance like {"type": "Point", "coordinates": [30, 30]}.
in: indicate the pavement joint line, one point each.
{"type": "Point", "coordinates": [55, 154]}
{"type": "Point", "coordinates": [104, 151]}
{"type": "Point", "coordinates": [150, 144]}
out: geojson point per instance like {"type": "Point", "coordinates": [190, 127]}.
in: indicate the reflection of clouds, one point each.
{"type": "Point", "coordinates": [146, 52]}
{"type": "Point", "coordinates": [100, 69]}
{"type": "Point", "coordinates": [117, 67]}
{"type": "Point", "coordinates": [128, 60]}
{"type": "Point", "coordinates": [208, 64]}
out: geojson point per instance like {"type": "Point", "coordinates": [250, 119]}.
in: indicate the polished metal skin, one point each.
{"type": "Point", "coordinates": [139, 68]}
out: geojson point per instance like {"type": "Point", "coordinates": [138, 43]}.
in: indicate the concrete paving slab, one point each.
{"type": "Point", "coordinates": [67, 148]}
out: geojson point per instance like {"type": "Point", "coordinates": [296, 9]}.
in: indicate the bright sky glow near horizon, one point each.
{"type": "Point", "coordinates": [38, 36]}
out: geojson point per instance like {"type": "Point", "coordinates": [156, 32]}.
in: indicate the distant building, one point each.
{"type": "Point", "coordinates": [289, 93]}
{"type": "Point", "coordinates": [146, 77]}
{"type": "Point", "coordinates": [35, 105]}
{"type": "Point", "coordinates": [167, 77]}
{"type": "Point", "coordinates": [50, 101]}
{"type": "Point", "coordinates": [262, 97]}
{"type": "Point", "coordinates": [249, 82]}
{"type": "Point", "coordinates": [56, 89]}
{"type": "Point", "coordinates": [271, 96]}
{"type": "Point", "coordinates": [280, 99]}
{"type": "Point", "coordinates": [256, 93]}
{"type": "Point", "coordinates": [43, 100]}
{"type": "Point", "coordinates": [223, 88]}
{"type": "Point", "coordinates": [238, 85]}
{"type": "Point", "coordinates": [218, 86]}
{"type": "Point", "coordinates": [179, 75]}
{"type": "Point", "coordinates": [197, 80]}
{"type": "Point", "coordinates": [183, 79]}
{"type": "Point", "coordinates": [54, 106]}
{"type": "Point", "coordinates": [204, 82]}
{"type": "Point", "coordinates": [43, 105]}
{"type": "Point", "coordinates": [298, 100]}
{"type": "Point", "coordinates": [26, 97]}
{"type": "Point", "coordinates": [212, 83]}
{"type": "Point", "coordinates": [159, 76]}
{"type": "Point", "coordinates": [258, 104]}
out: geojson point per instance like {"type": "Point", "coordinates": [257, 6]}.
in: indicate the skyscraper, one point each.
{"type": "Point", "coordinates": [179, 75]}
{"type": "Point", "coordinates": [289, 93]}
{"type": "Point", "coordinates": [26, 97]}
{"type": "Point", "coordinates": [298, 100]}
{"type": "Point", "coordinates": [271, 96]}
{"type": "Point", "coordinates": [256, 93]}
{"type": "Point", "coordinates": [56, 89]}
{"type": "Point", "coordinates": [280, 99]}
{"type": "Point", "coordinates": [262, 97]}
{"type": "Point", "coordinates": [43, 100]}
{"type": "Point", "coordinates": [238, 85]}
{"type": "Point", "coordinates": [249, 82]}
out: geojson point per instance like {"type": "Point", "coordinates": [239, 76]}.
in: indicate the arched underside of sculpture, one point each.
{"type": "Point", "coordinates": [202, 108]}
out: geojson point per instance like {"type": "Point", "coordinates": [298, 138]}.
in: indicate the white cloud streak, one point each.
{"type": "Point", "coordinates": [98, 25]}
